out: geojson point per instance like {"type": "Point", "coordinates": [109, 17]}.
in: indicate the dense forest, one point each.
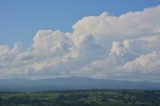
{"type": "Point", "coordinates": [82, 98]}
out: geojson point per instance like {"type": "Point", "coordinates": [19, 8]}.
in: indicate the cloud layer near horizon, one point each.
{"type": "Point", "coordinates": [104, 46]}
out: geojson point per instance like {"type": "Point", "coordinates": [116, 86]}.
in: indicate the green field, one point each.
{"type": "Point", "coordinates": [82, 98]}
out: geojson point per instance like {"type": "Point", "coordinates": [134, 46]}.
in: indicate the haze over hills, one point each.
{"type": "Point", "coordinates": [73, 83]}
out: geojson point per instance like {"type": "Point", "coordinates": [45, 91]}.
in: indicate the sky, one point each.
{"type": "Point", "coordinates": [21, 19]}
{"type": "Point", "coordinates": [94, 38]}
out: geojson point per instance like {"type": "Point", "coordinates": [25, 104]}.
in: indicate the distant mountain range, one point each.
{"type": "Point", "coordinates": [72, 83]}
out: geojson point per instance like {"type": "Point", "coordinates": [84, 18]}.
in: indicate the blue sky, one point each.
{"type": "Point", "coordinates": [117, 39]}
{"type": "Point", "coordinates": [21, 19]}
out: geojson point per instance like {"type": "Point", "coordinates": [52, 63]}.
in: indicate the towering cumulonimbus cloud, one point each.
{"type": "Point", "coordinates": [104, 46]}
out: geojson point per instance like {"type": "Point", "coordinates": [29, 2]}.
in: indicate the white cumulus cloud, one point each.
{"type": "Point", "coordinates": [104, 46]}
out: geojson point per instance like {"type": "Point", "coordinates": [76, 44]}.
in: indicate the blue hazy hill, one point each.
{"type": "Point", "coordinates": [73, 83]}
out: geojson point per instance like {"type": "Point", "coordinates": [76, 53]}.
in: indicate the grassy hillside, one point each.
{"type": "Point", "coordinates": [82, 98]}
